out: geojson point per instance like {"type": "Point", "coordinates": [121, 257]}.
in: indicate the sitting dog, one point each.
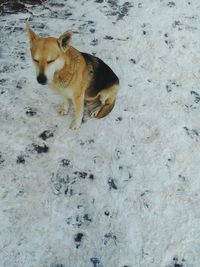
{"type": "Point", "coordinates": [78, 76]}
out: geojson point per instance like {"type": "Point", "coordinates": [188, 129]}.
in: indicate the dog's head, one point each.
{"type": "Point", "coordinates": [48, 54]}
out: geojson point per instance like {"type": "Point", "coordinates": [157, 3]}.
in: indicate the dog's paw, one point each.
{"type": "Point", "coordinates": [95, 112]}
{"type": "Point", "coordinates": [63, 110]}
{"type": "Point", "coordinates": [75, 125]}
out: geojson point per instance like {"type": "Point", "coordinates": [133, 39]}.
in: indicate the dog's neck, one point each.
{"type": "Point", "coordinates": [65, 75]}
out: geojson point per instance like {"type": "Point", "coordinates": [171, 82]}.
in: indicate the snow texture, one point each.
{"type": "Point", "coordinates": [123, 191]}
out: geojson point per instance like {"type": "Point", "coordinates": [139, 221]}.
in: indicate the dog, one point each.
{"type": "Point", "coordinates": [76, 76]}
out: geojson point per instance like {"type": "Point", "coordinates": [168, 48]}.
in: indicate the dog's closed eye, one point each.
{"type": "Point", "coordinates": [50, 61]}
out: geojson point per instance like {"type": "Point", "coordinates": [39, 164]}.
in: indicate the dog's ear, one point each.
{"type": "Point", "coordinates": [32, 36]}
{"type": "Point", "coordinates": [64, 40]}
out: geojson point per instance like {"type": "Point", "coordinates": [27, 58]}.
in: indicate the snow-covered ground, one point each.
{"type": "Point", "coordinates": [123, 191]}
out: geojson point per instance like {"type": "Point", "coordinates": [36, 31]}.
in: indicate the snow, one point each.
{"type": "Point", "coordinates": [121, 191]}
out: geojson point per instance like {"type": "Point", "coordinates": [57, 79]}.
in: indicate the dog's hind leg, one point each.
{"type": "Point", "coordinates": [107, 99]}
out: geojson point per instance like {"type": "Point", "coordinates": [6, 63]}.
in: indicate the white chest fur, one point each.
{"type": "Point", "coordinates": [61, 90]}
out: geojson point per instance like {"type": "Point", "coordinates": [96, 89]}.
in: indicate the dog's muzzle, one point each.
{"type": "Point", "coordinates": [42, 79]}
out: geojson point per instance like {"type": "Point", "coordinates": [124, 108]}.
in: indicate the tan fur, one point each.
{"type": "Point", "coordinates": [71, 77]}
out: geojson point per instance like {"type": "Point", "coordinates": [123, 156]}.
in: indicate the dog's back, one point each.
{"type": "Point", "coordinates": [102, 75]}
{"type": "Point", "coordinates": [103, 85]}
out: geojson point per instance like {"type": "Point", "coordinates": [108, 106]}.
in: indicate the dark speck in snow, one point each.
{"type": "Point", "coordinates": [65, 162]}
{"type": "Point", "coordinates": [41, 148]}
{"type": "Point", "coordinates": [30, 111]}
{"type": "Point", "coordinates": [111, 184]}
{"type": "Point", "coordinates": [96, 262]}
{"type": "Point", "coordinates": [20, 160]}
{"type": "Point", "coordinates": [46, 134]}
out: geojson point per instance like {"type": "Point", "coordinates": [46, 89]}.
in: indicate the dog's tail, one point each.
{"type": "Point", "coordinates": [105, 110]}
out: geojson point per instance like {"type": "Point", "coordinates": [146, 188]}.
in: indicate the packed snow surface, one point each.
{"type": "Point", "coordinates": [123, 191]}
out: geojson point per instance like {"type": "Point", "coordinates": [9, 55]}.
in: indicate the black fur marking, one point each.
{"type": "Point", "coordinates": [65, 39]}
{"type": "Point", "coordinates": [103, 76]}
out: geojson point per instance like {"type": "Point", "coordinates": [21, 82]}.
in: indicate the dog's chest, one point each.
{"type": "Point", "coordinates": [61, 88]}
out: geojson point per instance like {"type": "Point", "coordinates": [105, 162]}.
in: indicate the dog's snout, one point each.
{"type": "Point", "coordinates": [42, 79]}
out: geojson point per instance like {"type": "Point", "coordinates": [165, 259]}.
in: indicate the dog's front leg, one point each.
{"type": "Point", "coordinates": [78, 102]}
{"type": "Point", "coordinates": [65, 107]}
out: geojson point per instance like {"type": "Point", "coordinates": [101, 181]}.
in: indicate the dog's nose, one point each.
{"type": "Point", "coordinates": [42, 79]}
